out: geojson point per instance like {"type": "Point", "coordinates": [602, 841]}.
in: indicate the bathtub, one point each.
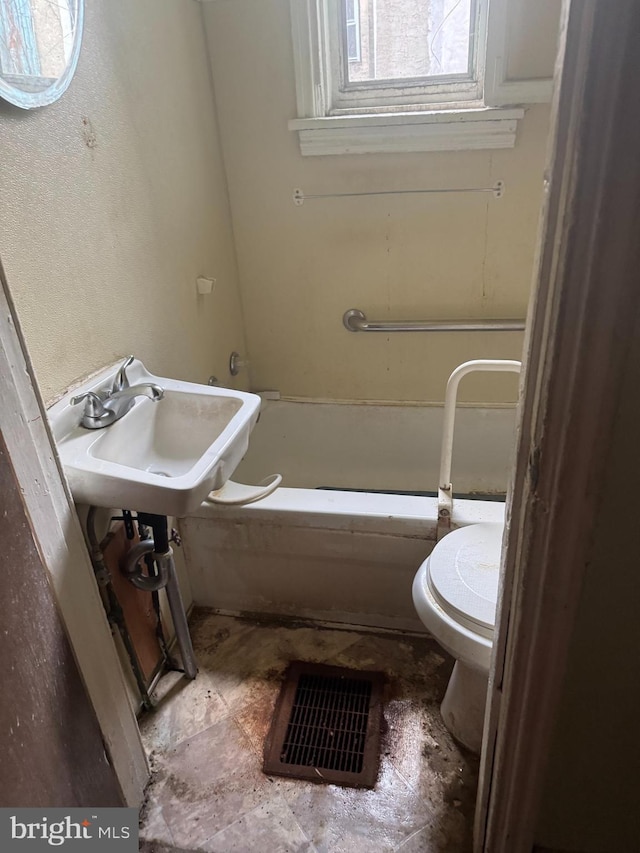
{"type": "Point", "coordinates": [316, 550]}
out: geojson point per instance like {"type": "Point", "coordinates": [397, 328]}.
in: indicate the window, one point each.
{"type": "Point", "coordinates": [407, 52]}
{"type": "Point", "coordinates": [36, 41]}
{"type": "Point", "coordinates": [398, 75]}
{"type": "Point", "coordinates": [352, 30]}
{"type": "Point", "coordinates": [18, 47]}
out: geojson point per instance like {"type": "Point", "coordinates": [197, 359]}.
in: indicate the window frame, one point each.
{"type": "Point", "coordinates": [441, 126]}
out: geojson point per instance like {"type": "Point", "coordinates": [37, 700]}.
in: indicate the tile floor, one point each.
{"type": "Point", "coordinates": [205, 737]}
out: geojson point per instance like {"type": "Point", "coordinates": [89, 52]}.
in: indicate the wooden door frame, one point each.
{"type": "Point", "coordinates": [585, 305]}
{"type": "Point", "coordinates": [59, 539]}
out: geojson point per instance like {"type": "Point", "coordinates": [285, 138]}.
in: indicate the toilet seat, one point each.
{"type": "Point", "coordinates": [463, 573]}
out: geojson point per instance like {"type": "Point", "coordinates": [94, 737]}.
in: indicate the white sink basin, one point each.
{"type": "Point", "coordinates": [161, 457]}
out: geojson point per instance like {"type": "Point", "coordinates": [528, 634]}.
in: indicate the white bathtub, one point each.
{"type": "Point", "coordinates": [341, 556]}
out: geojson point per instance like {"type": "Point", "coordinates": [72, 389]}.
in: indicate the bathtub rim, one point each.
{"type": "Point", "coordinates": [365, 512]}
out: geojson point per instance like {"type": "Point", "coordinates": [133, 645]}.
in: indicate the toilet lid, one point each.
{"type": "Point", "coordinates": [464, 568]}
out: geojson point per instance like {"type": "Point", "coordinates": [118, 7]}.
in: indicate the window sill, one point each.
{"type": "Point", "coordinates": [441, 130]}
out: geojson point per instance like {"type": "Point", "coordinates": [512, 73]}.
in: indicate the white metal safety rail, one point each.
{"type": "Point", "coordinates": [445, 487]}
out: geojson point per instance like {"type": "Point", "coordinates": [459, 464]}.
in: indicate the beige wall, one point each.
{"type": "Point", "coordinates": [114, 199]}
{"type": "Point", "coordinates": [591, 796]}
{"type": "Point", "coordinates": [533, 29]}
{"type": "Point", "coordinates": [418, 257]}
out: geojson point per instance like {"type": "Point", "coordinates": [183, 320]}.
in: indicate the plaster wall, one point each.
{"type": "Point", "coordinates": [114, 200]}
{"type": "Point", "coordinates": [395, 257]}
{"type": "Point", "coordinates": [533, 29]}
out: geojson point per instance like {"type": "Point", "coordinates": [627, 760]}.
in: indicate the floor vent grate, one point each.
{"type": "Point", "coordinates": [326, 726]}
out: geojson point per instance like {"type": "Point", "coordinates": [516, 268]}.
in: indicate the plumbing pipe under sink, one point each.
{"type": "Point", "coordinates": [159, 549]}
{"type": "Point", "coordinates": [162, 554]}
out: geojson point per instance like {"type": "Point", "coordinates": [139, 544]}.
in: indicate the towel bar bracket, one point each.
{"type": "Point", "coordinates": [497, 191]}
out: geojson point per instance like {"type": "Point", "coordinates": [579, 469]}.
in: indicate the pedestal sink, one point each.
{"type": "Point", "coordinates": [161, 457]}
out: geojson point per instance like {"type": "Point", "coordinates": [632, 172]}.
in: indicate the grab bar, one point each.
{"type": "Point", "coordinates": [355, 320]}
{"type": "Point", "coordinates": [445, 487]}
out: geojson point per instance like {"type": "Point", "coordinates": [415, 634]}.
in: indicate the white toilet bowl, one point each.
{"type": "Point", "coordinates": [455, 592]}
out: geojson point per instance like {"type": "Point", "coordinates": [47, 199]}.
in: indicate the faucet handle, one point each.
{"type": "Point", "coordinates": [120, 380]}
{"type": "Point", "coordinates": [93, 408]}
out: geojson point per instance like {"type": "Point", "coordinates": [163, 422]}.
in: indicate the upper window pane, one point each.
{"type": "Point", "coordinates": [352, 23]}
{"type": "Point", "coordinates": [406, 40]}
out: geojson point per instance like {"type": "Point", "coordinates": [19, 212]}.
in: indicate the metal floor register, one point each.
{"type": "Point", "coordinates": [326, 726]}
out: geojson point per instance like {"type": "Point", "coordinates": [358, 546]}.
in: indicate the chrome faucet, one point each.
{"type": "Point", "coordinates": [121, 380]}
{"type": "Point", "coordinates": [103, 408]}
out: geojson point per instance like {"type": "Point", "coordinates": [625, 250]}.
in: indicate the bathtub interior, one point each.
{"type": "Point", "coordinates": [342, 556]}
{"type": "Point", "coordinates": [378, 447]}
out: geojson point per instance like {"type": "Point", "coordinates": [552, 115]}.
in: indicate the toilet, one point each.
{"type": "Point", "coordinates": [455, 593]}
